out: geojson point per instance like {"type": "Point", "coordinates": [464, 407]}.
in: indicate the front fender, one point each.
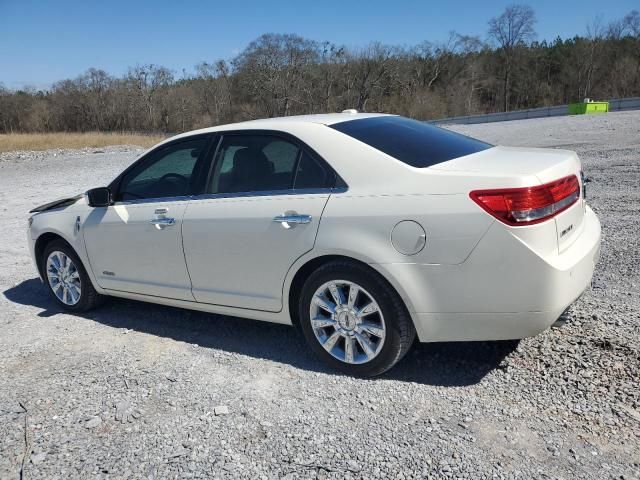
{"type": "Point", "coordinates": [66, 224]}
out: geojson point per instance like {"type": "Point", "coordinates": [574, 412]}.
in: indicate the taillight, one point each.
{"type": "Point", "coordinates": [529, 205]}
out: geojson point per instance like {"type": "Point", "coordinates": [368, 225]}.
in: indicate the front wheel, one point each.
{"type": "Point", "coordinates": [354, 320]}
{"type": "Point", "coordinates": [66, 278]}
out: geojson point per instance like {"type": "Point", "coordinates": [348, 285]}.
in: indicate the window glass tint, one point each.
{"type": "Point", "coordinates": [253, 163]}
{"type": "Point", "coordinates": [167, 174]}
{"type": "Point", "coordinates": [415, 143]}
{"type": "Point", "coordinates": [311, 174]}
{"type": "Point", "coordinates": [282, 155]}
{"type": "Point", "coordinates": [227, 159]}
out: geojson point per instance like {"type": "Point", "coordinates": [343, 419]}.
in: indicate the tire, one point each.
{"type": "Point", "coordinates": [75, 280]}
{"type": "Point", "coordinates": [379, 336]}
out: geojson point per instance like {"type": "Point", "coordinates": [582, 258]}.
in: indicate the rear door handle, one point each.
{"type": "Point", "coordinates": [288, 220]}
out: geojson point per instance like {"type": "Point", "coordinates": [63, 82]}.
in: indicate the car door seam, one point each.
{"type": "Point", "coordinates": [184, 253]}
{"type": "Point", "coordinates": [313, 245]}
{"type": "Point", "coordinates": [86, 250]}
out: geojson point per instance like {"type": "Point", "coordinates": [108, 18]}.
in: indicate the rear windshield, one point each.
{"type": "Point", "coordinates": [415, 143]}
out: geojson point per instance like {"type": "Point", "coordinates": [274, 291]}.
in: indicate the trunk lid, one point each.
{"type": "Point", "coordinates": [525, 164]}
{"type": "Point", "coordinates": [546, 164]}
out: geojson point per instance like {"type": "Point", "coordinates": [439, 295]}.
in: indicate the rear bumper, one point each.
{"type": "Point", "coordinates": [504, 290]}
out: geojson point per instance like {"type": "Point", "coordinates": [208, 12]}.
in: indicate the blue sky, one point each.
{"type": "Point", "coordinates": [44, 41]}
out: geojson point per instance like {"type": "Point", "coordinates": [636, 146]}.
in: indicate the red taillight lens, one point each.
{"type": "Point", "coordinates": [529, 205]}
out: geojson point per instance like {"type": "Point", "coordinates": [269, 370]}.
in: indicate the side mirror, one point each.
{"type": "Point", "coordinates": [99, 197]}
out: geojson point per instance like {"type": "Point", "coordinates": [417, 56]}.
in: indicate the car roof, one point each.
{"type": "Point", "coordinates": [322, 118]}
{"type": "Point", "coordinates": [280, 122]}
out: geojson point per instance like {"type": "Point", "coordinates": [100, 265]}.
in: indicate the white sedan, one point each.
{"type": "Point", "coordinates": [365, 230]}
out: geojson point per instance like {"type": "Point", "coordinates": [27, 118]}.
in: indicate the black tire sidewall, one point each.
{"type": "Point", "coordinates": [85, 282]}
{"type": "Point", "coordinates": [381, 293]}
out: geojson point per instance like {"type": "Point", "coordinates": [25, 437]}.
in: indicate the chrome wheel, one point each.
{"type": "Point", "coordinates": [347, 321]}
{"type": "Point", "coordinates": [64, 278]}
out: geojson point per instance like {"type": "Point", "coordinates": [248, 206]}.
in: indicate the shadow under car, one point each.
{"type": "Point", "coordinates": [441, 364]}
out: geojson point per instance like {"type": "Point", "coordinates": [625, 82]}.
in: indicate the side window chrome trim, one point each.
{"type": "Point", "coordinates": [139, 201]}
{"type": "Point", "coordinates": [209, 196]}
{"type": "Point", "coordinates": [269, 193]}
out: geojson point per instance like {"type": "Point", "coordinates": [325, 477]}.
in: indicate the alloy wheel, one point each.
{"type": "Point", "coordinates": [347, 321]}
{"type": "Point", "coordinates": [64, 278]}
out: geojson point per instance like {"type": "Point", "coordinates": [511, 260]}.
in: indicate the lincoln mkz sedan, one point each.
{"type": "Point", "coordinates": [365, 230]}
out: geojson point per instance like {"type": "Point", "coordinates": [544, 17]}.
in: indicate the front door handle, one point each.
{"type": "Point", "coordinates": [289, 220]}
{"type": "Point", "coordinates": [163, 222]}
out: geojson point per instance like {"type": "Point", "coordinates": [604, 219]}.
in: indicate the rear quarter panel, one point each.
{"type": "Point", "coordinates": [363, 224]}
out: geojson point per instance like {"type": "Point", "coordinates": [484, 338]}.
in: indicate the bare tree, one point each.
{"type": "Point", "coordinates": [332, 63]}
{"type": "Point", "coordinates": [367, 71]}
{"type": "Point", "coordinates": [272, 68]}
{"type": "Point", "coordinates": [96, 85]}
{"type": "Point", "coordinates": [469, 48]}
{"type": "Point", "coordinates": [215, 89]}
{"type": "Point", "coordinates": [631, 23]}
{"type": "Point", "coordinates": [595, 36]}
{"type": "Point", "coordinates": [510, 30]}
{"type": "Point", "coordinates": [147, 80]}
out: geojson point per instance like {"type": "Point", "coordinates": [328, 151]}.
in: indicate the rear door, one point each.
{"type": "Point", "coordinates": [266, 194]}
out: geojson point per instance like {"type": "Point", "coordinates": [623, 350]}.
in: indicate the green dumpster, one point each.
{"type": "Point", "coordinates": [588, 107]}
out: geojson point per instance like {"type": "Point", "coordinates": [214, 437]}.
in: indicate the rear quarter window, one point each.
{"type": "Point", "coordinates": [415, 143]}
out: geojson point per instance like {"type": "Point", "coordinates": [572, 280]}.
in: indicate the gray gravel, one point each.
{"type": "Point", "coordinates": [142, 391]}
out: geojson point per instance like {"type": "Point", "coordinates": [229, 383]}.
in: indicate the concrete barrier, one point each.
{"type": "Point", "coordinates": [615, 104]}
{"type": "Point", "coordinates": [624, 104]}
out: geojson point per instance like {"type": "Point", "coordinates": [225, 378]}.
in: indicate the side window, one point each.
{"type": "Point", "coordinates": [168, 173]}
{"type": "Point", "coordinates": [254, 163]}
{"type": "Point", "coordinates": [311, 174]}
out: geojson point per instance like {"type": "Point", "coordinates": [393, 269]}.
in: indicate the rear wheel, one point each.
{"type": "Point", "coordinates": [354, 320]}
{"type": "Point", "coordinates": [66, 278]}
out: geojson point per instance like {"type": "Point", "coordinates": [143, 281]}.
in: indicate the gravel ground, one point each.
{"type": "Point", "coordinates": [142, 391]}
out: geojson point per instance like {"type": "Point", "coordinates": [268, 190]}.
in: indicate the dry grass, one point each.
{"type": "Point", "coordinates": [43, 141]}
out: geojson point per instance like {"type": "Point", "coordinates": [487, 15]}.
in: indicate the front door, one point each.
{"type": "Point", "coordinates": [265, 201]}
{"type": "Point", "coordinates": [135, 245]}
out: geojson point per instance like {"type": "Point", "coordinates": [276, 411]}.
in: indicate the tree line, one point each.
{"type": "Point", "coordinates": [286, 74]}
